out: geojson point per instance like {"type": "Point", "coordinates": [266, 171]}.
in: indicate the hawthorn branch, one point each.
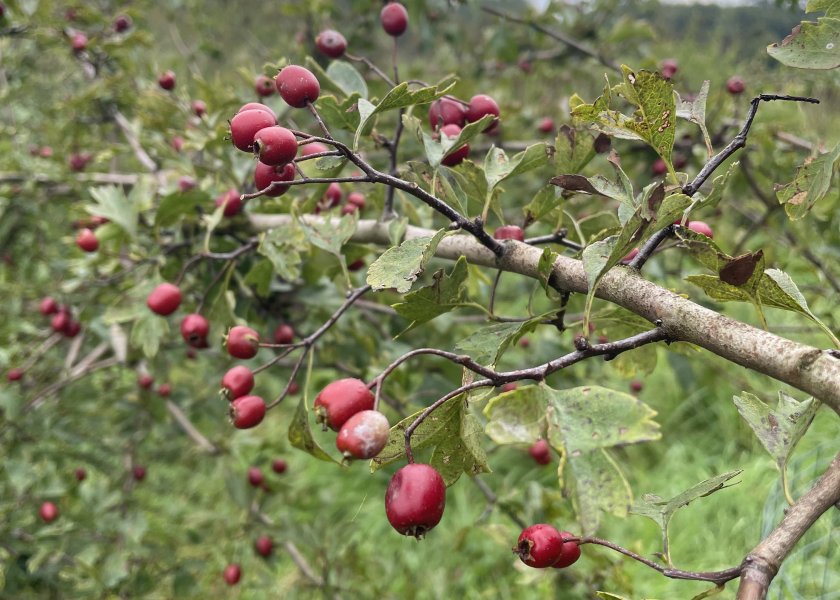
{"type": "Point", "coordinates": [809, 369]}
{"type": "Point", "coordinates": [186, 425]}
{"type": "Point", "coordinates": [761, 565]}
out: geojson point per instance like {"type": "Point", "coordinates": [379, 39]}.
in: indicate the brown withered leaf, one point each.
{"type": "Point", "coordinates": [739, 270]}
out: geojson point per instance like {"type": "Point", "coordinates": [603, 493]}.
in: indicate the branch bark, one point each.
{"type": "Point", "coordinates": [814, 371]}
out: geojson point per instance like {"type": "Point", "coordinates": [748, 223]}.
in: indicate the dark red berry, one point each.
{"type": "Point", "coordinates": [394, 18]}
{"type": "Point", "coordinates": [279, 466]}
{"type": "Point", "coordinates": [668, 68]}
{"type": "Point", "coordinates": [297, 86]}
{"type": "Point", "coordinates": [349, 209]}
{"type": "Point", "coordinates": [570, 552]}
{"type": "Point", "coordinates": [232, 201]}
{"type": "Point", "coordinates": [415, 499]}
{"type": "Point", "coordinates": [237, 382]}
{"type": "Point", "coordinates": [363, 435]}
{"type": "Point", "coordinates": [245, 125]}
{"type": "Point", "coordinates": [263, 545]}
{"type": "Point", "coordinates": [199, 108]}
{"type": "Point", "coordinates": [284, 334]}
{"type": "Point", "coordinates": [232, 574]}
{"type": "Point", "coordinates": [275, 145]}
{"type": "Point", "coordinates": [255, 476]}
{"type": "Point", "coordinates": [540, 452]}
{"type": "Point", "coordinates": [14, 374]}
{"type": "Point", "coordinates": [331, 43]}
{"type": "Point", "coordinates": [139, 473]}
{"type": "Point", "coordinates": [186, 183]}
{"type": "Point", "coordinates": [145, 381]}
{"type": "Point", "coordinates": [72, 328]}
{"type": "Point", "coordinates": [509, 386]}
{"type": "Point", "coordinates": [446, 111]}
{"type": "Point", "coordinates": [332, 197]}
{"type": "Point", "coordinates": [177, 143]}
{"type": "Point", "coordinates": [194, 330]}
{"type": "Point", "coordinates": [356, 198]}
{"type": "Point", "coordinates": [164, 299]}
{"type": "Point", "coordinates": [48, 512]}
{"type": "Point", "coordinates": [313, 148]}
{"type": "Point", "coordinates": [264, 85]}
{"type": "Point", "coordinates": [539, 546]}
{"type": "Point", "coordinates": [86, 240]}
{"type": "Point", "coordinates": [294, 388]}
{"type": "Point", "coordinates": [247, 411]}
{"type": "Point", "coordinates": [258, 106]}
{"type": "Point", "coordinates": [456, 157]}
{"type": "Point", "coordinates": [122, 23]}
{"type": "Point", "coordinates": [265, 175]}
{"type": "Point", "coordinates": [167, 81]}
{"type": "Point", "coordinates": [78, 42]}
{"type": "Point", "coordinates": [60, 321]}
{"type": "Point", "coordinates": [546, 125]}
{"type": "Point", "coordinates": [79, 160]}
{"type": "Point", "coordinates": [509, 232]}
{"type": "Point", "coordinates": [48, 306]}
{"type": "Point", "coordinates": [480, 106]}
{"type": "Point", "coordinates": [164, 390]}
{"type": "Point", "coordinates": [80, 474]}
{"type": "Point", "coordinates": [356, 265]}
{"type": "Point", "coordinates": [242, 342]}
{"type": "Point", "coordinates": [636, 386]}
{"type": "Point", "coordinates": [735, 85]}
{"type": "Point", "coordinates": [340, 400]}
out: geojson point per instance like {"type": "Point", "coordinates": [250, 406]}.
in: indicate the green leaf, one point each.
{"type": "Point", "coordinates": [460, 452]}
{"type": "Point", "coordinates": [114, 568]}
{"type": "Point", "coordinates": [300, 435]}
{"type": "Point", "coordinates": [718, 187]}
{"type": "Point", "coordinates": [811, 183]}
{"type": "Point", "coordinates": [330, 235]}
{"type": "Point", "coordinates": [543, 203]}
{"type": "Point", "coordinates": [488, 344]}
{"type": "Point", "coordinates": [810, 45]}
{"type": "Point", "coordinates": [179, 204]}
{"type": "Point", "coordinates": [654, 120]}
{"type": "Point", "coordinates": [399, 97]}
{"type": "Point", "coordinates": [338, 115]}
{"type": "Point", "coordinates": [777, 289]}
{"type": "Point", "coordinates": [694, 110]}
{"type": "Point", "coordinates": [147, 333]}
{"type": "Point", "coordinates": [212, 221]}
{"type": "Point", "coordinates": [345, 76]}
{"type": "Point", "coordinates": [399, 267]}
{"type": "Point", "coordinates": [283, 246]}
{"type": "Point", "coordinates": [260, 276]}
{"type": "Point", "coordinates": [600, 486]}
{"type": "Point", "coordinates": [572, 151]}
{"type": "Point", "coordinates": [778, 429]}
{"type": "Point", "coordinates": [445, 293]}
{"type": "Point", "coordinates": [498, 167]}
{"type": "Point", "coordinates": [516, 417]}
{"type": "Point", "coordinates": [112, 203]}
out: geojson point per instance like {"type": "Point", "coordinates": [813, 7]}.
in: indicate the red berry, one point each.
{"type": "Point", "coordinates": [237, 382]}
{"type": "Point", "coordinates": [186, 183]}
{"type": "Point", "coordinates": [264, 85]}
{"type": "Point", "coordinates": [48, 306]}
{"type": "Point", "coordinates": [356, 265]}
{"type": "Point", "coordinates": [264, 545]}
{"type": "Point", "coordinates": [79, 41]}
{"type": "Point", "coordinates": [297, 86]}
{"type": "Point", "coordinates": [480, 106]}
{"type": "Point", "coordinates": [294, 388]}
{"type": "Point", "coordinates": [540, 452]}
{"type": "Point", "coordinates": [636, 386]}
{"type": "Point", "coordinates": [80, 474]}
{"type": "Point", "coordinates": [255, 476]}
{"type": "Point", "coordinates": [122, 23]}
{"type": "Point", "coordinates": [364, 435]}
{"type": "Point", "coordinates": [164, 299]}
{"type": "Point", "coordinates": [279, 466]}
{"type": "Point", "coordinates": [14, 374]}
{"type": "Point", "coordinates": [139, 473]}
{"type": "Point", "coordinates": [60, 321]}
{"type": "Point", "coordinates": [700, 227]}
{"type": "Point", "coordinates": [331, 43]}
{"type": "Point", "coordinates": [446, 111]}
{"type": "Point", "coordinates": [349, 209]}
{"type": "Point", "coordinates": [199, 107]}
{"type": "Point", "coordinates": [546, 125]}
{"type": "Point", "coordinates": [167, 81]}
{"type": "Point", "coordinates": [48, 512]}
{"type": "Point", "coordinates": [78, 161]}
{"type": "Point", "coordinates": [258, 106]}
{"type": "Point", "coordinates": [247, 411]}
{"type": "Point", "coordinates": [86, 240]}
{"type": "Point", "coordinates": [245, 125]}
{"type": "Point", "coordinates": [394, 18]}
{"type": "Point", "coordinates": [509, 387]}
{"type": "Point", "coordinates": [242, 342]}
{"type": "Point", "coordinates": [265, 175]}
{"type": "Point", "coordinates": [456, 157]}
{"type": "Point", "coordinates": [284, 334]}
{"type": "Point", "coordinates": [145, 381]}
{"type": "Point", "coordinates": [630, 256]}
{"type": "Point", "coordinates": [72, 328]}
{"type": "Point", "coordinates": [313, 148]}
{"type": "Point", "coordinates": [332, 197]}
{"type": "Point", "coordinates": [570, 552]}
{"type": "Point", "coordinates": [340, 400]}
{"type": "Point", "coordinates": [509, 232]}
{"type": "Point", "coordinates": [668, 68]}
{"type": "Point", "coordinates": [164, 390]}
{"type": "Point", "coordinates": [177, 143]}
{"type": "Point", "coordinates": [524, 342]}
{"type": "Point", "coordinates": [415, 499]}
{"type": "Point", "coordinates": [45, 152]}
{"type": "Point", "coordinates": [356, 198]}
{"type": "Point", "coordinates": [232, 574]}
{"type": "Point", "coordinates": [194, 330]}
{"type": "Point", "coordinates": [275, 145]}
{"type": "Point", "coordinates": [539, 546]}
{"type": "Point", "coordinates": [735, 85]}
{"type": "Point", "coordinates": [232, 201]}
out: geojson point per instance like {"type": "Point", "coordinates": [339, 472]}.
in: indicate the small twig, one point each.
{"type": "Point", "coordinates": [382, 75]}
{"type": "Point", "coordinates": [57, 386]}
{"type": "Point", "coordinates": [650, 246]}
{"type": "Point", "coordinates": [194, 434]}
{"type": "Point", "coordinates": [558, 237]}
{"type": "Point", "coordinates": [493, 501]}
{"type": "Point", "coordinates": [228, 256]}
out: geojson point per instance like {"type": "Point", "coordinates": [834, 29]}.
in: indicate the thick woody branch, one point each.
{"type": "Point", "coordinates": [809, 369]}
{"type": "Point", "coordinates": [761, 565]}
